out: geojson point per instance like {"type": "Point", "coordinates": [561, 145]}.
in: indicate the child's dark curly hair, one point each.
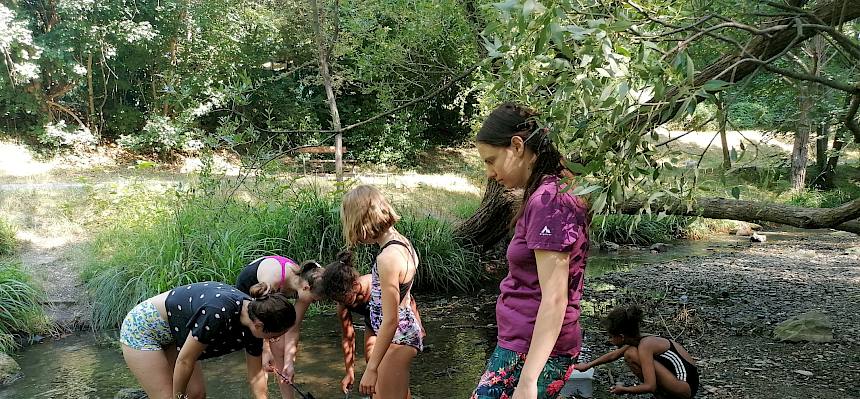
{"type": "Point", "coordinates": [623, 320]}
{"type": "Point", "coordinates": [339, 277]}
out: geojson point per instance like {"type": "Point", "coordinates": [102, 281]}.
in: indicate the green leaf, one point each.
{"type": "Point", "coordinates": [507, 5]}
{"type": "Point", "coordinates": [532, 6]}
{"type": "Point", "coordinates": [543, 36]}
{"type": "Point", "coordinates": [691, 70]}
{"type": "Point", "coordinates": [576, 168]}
{"type": "Point", "coordinates": [620, 25]}
{"type": "Point", "coordinates": [715, 85]}
{"type": "Point", "coordinates": [599, 203]}
{"type": "Point", "coordinates": [583, 190]}
{"type": "Point", "coordinates": [577, 33]}
{"type": "Point", "coordinates": [617, 192]}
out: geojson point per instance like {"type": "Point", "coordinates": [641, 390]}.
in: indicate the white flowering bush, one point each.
{"type": "Point", "coordinates": [59, 134]}
{"type": "Point", "coordinates": [162, 135]}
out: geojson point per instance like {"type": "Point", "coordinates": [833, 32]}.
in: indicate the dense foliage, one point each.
{"type": "Point", "coordinates": [160, 77]}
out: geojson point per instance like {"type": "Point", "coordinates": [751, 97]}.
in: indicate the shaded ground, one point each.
{"type": "Point", "coordinates": [733, 300]}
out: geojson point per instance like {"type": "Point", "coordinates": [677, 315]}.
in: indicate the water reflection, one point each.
{"type": "Point", "coordinates": [88, 366]}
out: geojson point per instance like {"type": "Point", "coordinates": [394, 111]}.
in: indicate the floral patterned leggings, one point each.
{"type": "Point", "coordinates": [503, 373]}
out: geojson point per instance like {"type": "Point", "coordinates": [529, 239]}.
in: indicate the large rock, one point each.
{"type": "Point", "coordinates": [131, 393]}
{"type": "Point", "coordinates": [660, 247]}
{"type": "Point", "coordinates": [744, 230]}
{"type": "Point", "coordinates": [609, 246]}
{"type": "Point", "coordinates": [9, 370]}
{"type": "Point", "coordinates": [756, 237]}
{"type": "Point", "coordinates": [811, 326]}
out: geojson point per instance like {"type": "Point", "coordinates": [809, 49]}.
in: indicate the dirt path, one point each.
{"type": "Point", "coordinates": [723, 308]}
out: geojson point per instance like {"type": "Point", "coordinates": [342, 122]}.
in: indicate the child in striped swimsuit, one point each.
{"type": "Point", "coordinates": [664, 366]}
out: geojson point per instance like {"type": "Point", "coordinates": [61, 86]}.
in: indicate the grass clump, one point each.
{"type": "Point", "coordinates": [7, 238]}
{"type": "Point", "coordinates": [20, 305]}
{"type": "Point", "coordinates": [445, 263]}
{"type": "Point", "coordinates": [625, 229]}
{"type": "Point", "coordinates": [204, 235]}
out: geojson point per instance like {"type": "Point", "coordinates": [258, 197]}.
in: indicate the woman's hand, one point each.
{"type": "Point", "coordinates": [346, 383]}
{"type": "Point", "coordinates": [368, 383]}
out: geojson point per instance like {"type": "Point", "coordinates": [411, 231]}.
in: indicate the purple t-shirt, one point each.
{"type": "Point", "coordinates": [551, 221]}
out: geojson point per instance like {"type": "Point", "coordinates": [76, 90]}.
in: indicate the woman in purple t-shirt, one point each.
{"type": "Point", "coordinates": [537, 312]}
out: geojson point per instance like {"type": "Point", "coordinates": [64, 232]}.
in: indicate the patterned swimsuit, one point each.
{"type": "Point", "coordinates": [408, 327]}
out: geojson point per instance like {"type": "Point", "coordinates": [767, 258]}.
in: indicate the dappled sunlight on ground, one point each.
{"type": "Point", "coordinates": [39, 242]}
{"type": "Point", "coordinates": [16, 160]}
{"type": "Point", "coordinates": [733, 138]}
{"type": "Point", "coordinates": [221, 165]}
{"type": "Point", "coordinates": [449, 182]}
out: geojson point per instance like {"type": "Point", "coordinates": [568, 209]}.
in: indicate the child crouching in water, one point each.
{"type": "Point", "coordinates": [664, 366]}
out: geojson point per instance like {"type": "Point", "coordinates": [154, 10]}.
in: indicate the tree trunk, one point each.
{"type": "Point", "coordinates": [90, 96]}
{"type": "Point", "coordinates": [329, 91]}
{"type": "Point", "coordinates": [800, 152]}
{"type": "Point", "coordinates": [491, 222]}
{"type": "Point", "coordinates": [821, 147]}
{"type": "Point", "coordinates": [721, 115]}
{"type": "Point", "coordinates": [751, 211]}
{"type": "Point", "coordinates": [825, 178]}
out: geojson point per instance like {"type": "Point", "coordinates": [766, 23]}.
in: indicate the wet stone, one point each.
{"type": "Point", "coordinates": [10, 371]}
{"type": "Point", "coordinates": [130, 393]}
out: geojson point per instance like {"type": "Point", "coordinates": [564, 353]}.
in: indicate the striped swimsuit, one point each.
{"type": "Point", "coordinates": [680, 367]}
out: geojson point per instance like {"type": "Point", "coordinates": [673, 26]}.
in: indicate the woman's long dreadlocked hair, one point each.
{"type": "Point", "coordinates": [509, 120]}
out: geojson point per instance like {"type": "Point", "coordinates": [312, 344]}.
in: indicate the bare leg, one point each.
{"type": "Point", "coordinates": [277, 348]}
{"type": "Point", "coordinates": [393, 380]}
{"type": "Point", "coordinates": [667, 383]}
{"type": "Point", "coordinates": [154, 371]}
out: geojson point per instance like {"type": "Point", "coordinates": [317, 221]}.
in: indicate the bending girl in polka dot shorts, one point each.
{"type": "Point", "coordinates": [164, 337]}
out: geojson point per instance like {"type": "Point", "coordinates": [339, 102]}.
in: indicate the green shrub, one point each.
{"type": "Point", "coordinates": [811, 198]}
{"type": "Point", "coordinates": [162, 135]}
{"type": "Point", "coordinates": [623, 229]}
{"type": "Point", "coordinates": [705, 112]}
{"type": "Point", "coordinates": [749, 115]}
{"type": "Point", "coordinates": [806, 198]}
{"type": "Point", "coordinates": [20, 305]}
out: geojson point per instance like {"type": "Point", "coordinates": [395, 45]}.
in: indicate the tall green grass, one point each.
{"type": "Point", "coordinates": [623, 229]}
{"type": "Point", "coordinates": [20, 305]}
{"type": "Point", "coordinates": [7, 238]}
{"type": "Point", "coordinates": [206, 236]}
